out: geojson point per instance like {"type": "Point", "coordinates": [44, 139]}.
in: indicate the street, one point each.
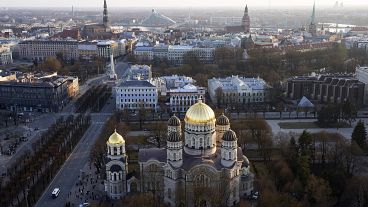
{"type": "Point", "coordinates": [68, 174]}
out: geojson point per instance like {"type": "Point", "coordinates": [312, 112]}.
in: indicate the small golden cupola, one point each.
{"type": "Point", "coordinates": [116, 139]}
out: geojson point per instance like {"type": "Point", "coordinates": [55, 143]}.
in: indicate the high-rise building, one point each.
{"type": "Point", "coordinates": [313, 25]}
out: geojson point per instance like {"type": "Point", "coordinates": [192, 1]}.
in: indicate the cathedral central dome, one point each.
{"type": "Point", "coordinates": [199, 113]}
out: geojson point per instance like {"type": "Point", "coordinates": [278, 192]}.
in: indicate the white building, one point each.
{"type": "Point", "coordinates": [6, 57]}
{"type": "Point", "coordinates": [182, 98]}
{"type": "Point", "coordinates": [122, 47]}
{"type": "Point", "coordinates": [134, 95]}
{"type": "Point", "coordinates": [237, 90]}
{"type": "Point", "coordinates": [41, 49]}
{"type": "Point", "coordinates": [87, 50]}
{"type": "Point", "coordinates": [140, 72]}
{"type": "Point", "coordinates": [166, 83]}
{"type": "Point", "coordinates": [144, 53]}
{"type": "Point", "coordinates": [107, 48]}
{"type": "Point", "coordinates": [176, 54]}
{"type": "Point", "coordinates": [362, 76]}
{"type": "Point", "coordinates": [160, 51]}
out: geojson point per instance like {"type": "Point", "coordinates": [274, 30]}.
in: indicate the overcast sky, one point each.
{"type": "Point", "coordinates": [173, 3]}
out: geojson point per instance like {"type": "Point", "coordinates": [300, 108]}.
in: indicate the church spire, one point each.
{"type": "Point", "coordinates": [105, 15]}
{"type": "Point", "coordinates": [246, 9]}
{"type": "Point", "coordinates": [313, 25]}
{"type": "Point", "coordinates": [313, 18]}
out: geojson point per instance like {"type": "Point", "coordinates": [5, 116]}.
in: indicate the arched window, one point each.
{"type": "Point", "coordinates": [200, 142]}
{"type": "Point", "coordinates": [115, 176]}
{"type": "Point", "coordinates": [174, 156]}
{"type": "Point", "coordinates": [115, 151]}
{"type": "Point", "coordinates": [230, 155]}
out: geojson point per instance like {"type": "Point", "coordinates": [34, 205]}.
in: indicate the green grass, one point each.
{"type": "Point", "coordinates": [298, 125]}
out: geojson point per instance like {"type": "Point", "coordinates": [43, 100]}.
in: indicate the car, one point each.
{"type": "Point", "coordinates": [84, 205]}
{"type": "Point", "coordinates": [255, 195]}
{"type": "Point", "coordinates": [55, 193]}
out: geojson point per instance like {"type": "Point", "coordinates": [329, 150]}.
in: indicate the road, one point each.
{"type": "Point", "coordinates": [67, 177]}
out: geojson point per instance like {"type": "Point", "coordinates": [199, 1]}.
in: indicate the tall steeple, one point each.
{"type": "Point", "coordinates": [105, 15]}
{"type": "Point", "coordinates": [313, 25]}
{"type": "Point", "coordinates": [246, 20]}
{"type": "Point", "coordinates": [313, 17]}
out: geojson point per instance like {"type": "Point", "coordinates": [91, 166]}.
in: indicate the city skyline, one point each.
{"type": "Point", "coordinates": [168, 3]}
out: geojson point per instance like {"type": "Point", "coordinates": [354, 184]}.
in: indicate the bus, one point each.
{"type": "Point", "coordinates": [55, 193]}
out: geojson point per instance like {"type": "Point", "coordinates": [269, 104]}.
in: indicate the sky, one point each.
{"type": "Point", "coordinates": [174, 3]}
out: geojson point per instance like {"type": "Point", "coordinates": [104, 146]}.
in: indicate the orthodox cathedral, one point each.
{"type": "Point", "coordinates": [201, 164]}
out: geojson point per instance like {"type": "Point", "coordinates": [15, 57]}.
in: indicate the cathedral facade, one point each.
{"type": "Point", "coordinates": [201, 165]}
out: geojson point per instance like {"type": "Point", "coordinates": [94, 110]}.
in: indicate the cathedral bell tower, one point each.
{"type": "Point", "coordinates": [222, 125]}
{"type": "Point", "coordinates": [229, 148]}
{"type": "Point", "coordinates": [175, 149]}
{"type": "Point", "coordinates": [116, 167]}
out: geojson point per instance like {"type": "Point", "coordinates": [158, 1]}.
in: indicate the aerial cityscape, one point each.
{"type": "Point", "coordinates": [199, 103]}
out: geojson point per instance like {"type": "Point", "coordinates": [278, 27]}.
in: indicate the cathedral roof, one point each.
{"type": "Point", "coordinates": [229, 136]}
{"type": "Point", "coordinates": [222, 120]}
{"type": "Point", "coordinates": [116, 138]}
{"type": "Point", "coordinates": [174, 121]}
{"type": "Point", "coordinates": [199, 113]}
{"type": "Point", "coordinates": [174, 137]}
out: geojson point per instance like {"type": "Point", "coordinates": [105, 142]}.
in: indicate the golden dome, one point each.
{"type": "Point", "coordinates": [200, 113]}
{"type": "Point", "coordinates": [116, 138]}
